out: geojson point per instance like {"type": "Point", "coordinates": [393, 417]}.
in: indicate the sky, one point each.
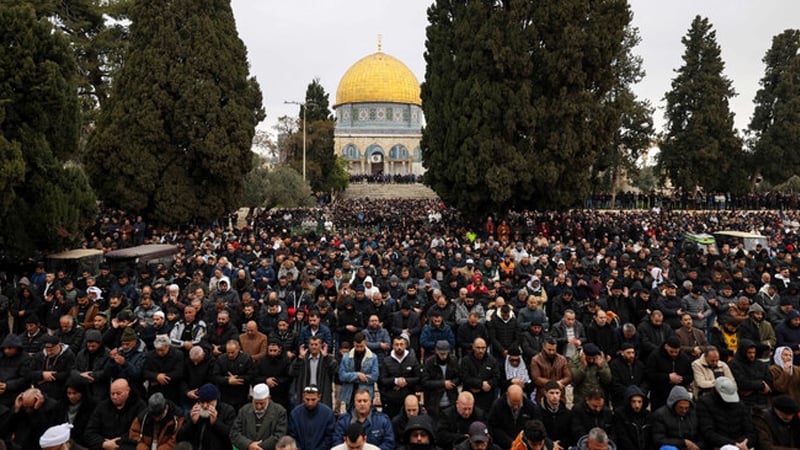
{"type": "Point", "coordinates": [290, 43]}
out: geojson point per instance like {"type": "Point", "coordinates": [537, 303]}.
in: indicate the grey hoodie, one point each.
{"type": "Point", "coordinates": [677, 394]}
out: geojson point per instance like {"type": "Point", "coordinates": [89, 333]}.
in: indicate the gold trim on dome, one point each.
{"type": "Point", "coordinates": [378, 78]}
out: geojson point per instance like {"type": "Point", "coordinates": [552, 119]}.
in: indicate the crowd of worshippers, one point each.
{"type": "Point", "coordinates": [551, 331]}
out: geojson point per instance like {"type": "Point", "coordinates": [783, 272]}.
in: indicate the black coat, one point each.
{"type": "Point", "coordinates": [196, 375]}
{"type": "Point", "coordinates": [652, 337]}
{"type": "Point", "coordinates": [584, 419]}
{"type": "Point", "coordinates": [624, 375]}
{"type": "Point", "coordinates": [170, 364]}
{"type": "Point", "coordinates": [205, 436]}
{"type": "Point", "coordinates": [632, 429]}
{"type": "Point", "coordinates": [452, 429]}
{"type": "Point", "coordinates": [750, 376]}
{"type": "Point", "coordinates": [409, 368]}
{"type": "Point", "coordinates": [724, 423]}
{"type": "Point", "coordinates": [503, 335]}
{"type": "Point", "coordinates": [503, 427]}
{"type": "Point", "coordinates": [28, 427]}
{"type": "Point", "coordinates": [278, 368]}
{"type": "Point", "coordinates": [61, 364]}
{"type": "Point", "coordinates": [241, 366]}
{"type": "Point", "coordinates": [15, 372]}
{"type": "Point", "coordinates": [474, 373]}
{"type": "Point", "coordinates": [557, 422]}
{"type": "Point", "coordinates": [108, 422]}
{"type": "Point", "coordinates": [326, 373]}
{"type": "Point", "coordinates": [658, 367]}
{"type": "Point", "coordinates": [433, 382]}
{"type": "Point", "coordinates": [94, 363]}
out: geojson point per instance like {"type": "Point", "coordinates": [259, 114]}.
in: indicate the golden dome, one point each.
{"type": "Point", "coordinates": [378, 78]}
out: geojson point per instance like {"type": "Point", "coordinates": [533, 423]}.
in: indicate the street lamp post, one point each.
{"type": "Point", "coordinates": [304, 105]}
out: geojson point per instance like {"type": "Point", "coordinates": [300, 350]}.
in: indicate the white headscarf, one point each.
{"type": "Point", "coordinates": [776, 358]}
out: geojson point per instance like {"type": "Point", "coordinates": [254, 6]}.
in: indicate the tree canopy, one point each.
{"type": "Point", "coordinates": [45, 203]}
{"type": "Point", "coordinates": [775, 125]}
{"type": "Point", "coordinates": [173, 141]}
{"type": "Point", "coordinates": [700, 147]}
{"type": "Point", "coordinates": [516, 100]}
{"type": "Point", "coordinates": [323, 172]}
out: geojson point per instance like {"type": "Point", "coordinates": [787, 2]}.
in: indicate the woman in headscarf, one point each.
{"type": "Point", "coordinates": [786, 379]}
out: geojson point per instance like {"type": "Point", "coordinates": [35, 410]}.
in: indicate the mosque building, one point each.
{"type": "Point", "coordinates": [379, 117]}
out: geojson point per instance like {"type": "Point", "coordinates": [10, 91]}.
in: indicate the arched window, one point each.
{"type": "Point", "coordinates": [350, 152]}
{"type": "Point", "coordinates": [375, 153]}
{"type": "Point", "coordinates": [417, 155]}
{"type": "Point", "coordinates": [398, 153]}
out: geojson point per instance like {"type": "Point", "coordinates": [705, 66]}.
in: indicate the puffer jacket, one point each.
{"type": "Point", "coordinates": [671, 429]}
{"type": "Point", "coordinates": [632, 428]}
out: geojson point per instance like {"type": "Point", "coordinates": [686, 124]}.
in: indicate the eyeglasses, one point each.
{"type": "Point", "coordinates": [513, 360]}
{"type": "Point", "coordinates": [311, 390]}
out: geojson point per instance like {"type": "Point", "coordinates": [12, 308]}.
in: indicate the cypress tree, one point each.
{"type": "Point", "coordinates": [775, 125]}
{"type": "Point", "coordinates": [173, 142]}
{"type": "Point", "coordinates": [514, 97]}
{"type": "Point", "coordinates": [700, 146]}
{"type": "Point", "coordinates": [45, 203]}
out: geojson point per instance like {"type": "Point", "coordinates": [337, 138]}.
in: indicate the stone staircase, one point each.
{"type": "Point", "coordinates": [387, 191]}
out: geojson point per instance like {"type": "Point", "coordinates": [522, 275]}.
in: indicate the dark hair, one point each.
{"type": "Point", "coordinates": [359, 337]}
{"type": "Point", "coordinates": [535, 431]}
{"type": "Point", "coordinates": [550, 340]}
{"type": "Point", "coordinates": [354, 431]}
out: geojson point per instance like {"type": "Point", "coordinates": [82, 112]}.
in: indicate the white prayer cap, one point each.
{"type": "Point", "coordinates": [260, 392]}
{"type": "Point", "coordinates": [56, 435]}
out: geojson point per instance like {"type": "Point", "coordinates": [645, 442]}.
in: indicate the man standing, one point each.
{"type": "Point", "coordinates": [314, 366]}
{"type": "Point", "coordinates": [778, 427]}
{"type": "Point", "coordinates": [667, 367]}
{"type": "Point", "coordinates": [454, 422]}
{"type": "Point", "coordinates": [111, 420]}
{"type": "Point", "coordinates": [163, 369]}
{"type": "Point", "coordinates": [312, 424]}
{"type": "Point", "coordinates": [376, 424]}
{"type": "Point", "coordinates": [509, 414]}
{"type": "Point", "coordinates": [359, 369]}
{"type": "Point", "coordinates": [210, 420]}
{"type": "Point", "coordinates": [400, 376]}
{"type": "Point", "coordinates": [259, 424]}
{"type": "Point", "coordinates": [253, 342]}
{"type": "Point", "coordinates": [233, 373]}
{"type": "Point", "coordinates": [724, 420]}
{"type": "Point", "coordinates": [548, 366]}
{"type": "Point", "coordinates": [440, 379]}
{"type": "Point", "coordinates": [189, 331]}
{"type": "Point", "coordinates": [52, 367]}
{"type": "Point", "coordinates": [481, 374]}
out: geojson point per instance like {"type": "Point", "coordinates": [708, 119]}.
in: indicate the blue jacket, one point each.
{"type": "Point", "coordinates": [377, 427]}
{"type": "Point", "coordinates": [324, 334]}
{"type": "Point", "coordinates": [313, 430]}
{"type": "Point", "coordinates": [431, 335]}
{"type": "Point", "coordinates": [349, 378]}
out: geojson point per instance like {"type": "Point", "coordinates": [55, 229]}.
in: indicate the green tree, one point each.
{"type": "Point", "coordinates": [45, 203]}
{"type": "Point", "coordinates": [700, 147]}
{"type": "Point", "coordinates": [280, 187]}
{"type": "Point", "coordinates": [775, 126]}
{"type": "Point", "coordinates": [633, 121]}
{"type": "Point", "coordinates": [174, 140]}
{"type": "Point", "coordinates": [514, 100]}
{"type": "Point", "coordinates": [97, 31]}
{"type": "Point", "coordinates": [321, 166]}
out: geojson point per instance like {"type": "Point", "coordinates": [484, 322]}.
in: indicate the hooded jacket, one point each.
{"type": "Point", "coordinates": [632, 428]}
{"type": "Point", "coordinates": [14, 370]}
{"type": "Point", "coordinates": [750, 376]}
{"type": "Point", "coordinates": [671, 429]}
{"type": "Point", "coordinates": [419, 423]}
